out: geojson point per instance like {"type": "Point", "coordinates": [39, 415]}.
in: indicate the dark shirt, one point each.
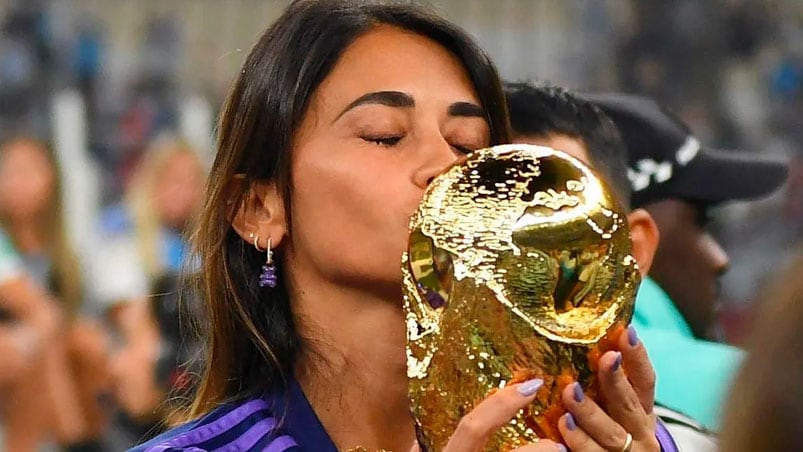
{"type": "Point", "coordinates": [282, 422]}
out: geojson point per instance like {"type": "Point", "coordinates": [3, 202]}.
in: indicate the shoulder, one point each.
{"type": "Point", "coordinates": [244, 426]}
{"type": "Point", "coordinates": [665, 343]}
{"type": "Point", "coordinates": [693, 375]}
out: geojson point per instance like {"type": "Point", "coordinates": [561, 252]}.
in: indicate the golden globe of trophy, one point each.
{"type": "Point", "coordinates": [519, 266]}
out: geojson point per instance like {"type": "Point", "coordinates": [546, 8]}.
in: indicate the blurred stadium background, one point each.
{"type": "Point", "coordinates": [100, 79]}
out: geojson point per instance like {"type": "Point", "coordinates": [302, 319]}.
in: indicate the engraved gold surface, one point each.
{"type": "Point", "coordinates": [519, 266]}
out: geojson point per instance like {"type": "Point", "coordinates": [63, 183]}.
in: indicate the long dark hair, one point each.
{"type": "Point", "coordinates": [250, 335]}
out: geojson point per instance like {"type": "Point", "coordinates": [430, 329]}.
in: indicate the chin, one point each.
{"type": "Point", "coordinates": [384, 283]}
{"type": "Point", "coordinates": [392, 289]}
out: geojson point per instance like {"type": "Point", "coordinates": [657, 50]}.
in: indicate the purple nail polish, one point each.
{"type": "Point", "coordinates": [617, 363]}
{"type": "Point", "coordinates": [632, 337]}
{"type": "Point", "coordinates": [562, 448]}
{"type": "Point", "coordinates": [530, 387]}
{"type": "Point", "coordinates": [578, 393]}
{"type": "Point", "coordinates": [570, 422]}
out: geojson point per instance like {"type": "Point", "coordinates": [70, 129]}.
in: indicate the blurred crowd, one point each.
{"type": "Point", "coordinates": [88, 341]}
{"type": "Point", "coordinates": [90, 335]}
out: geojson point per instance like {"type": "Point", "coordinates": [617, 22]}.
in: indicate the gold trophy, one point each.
{"type": "Point", "coordinates": [519, 266]}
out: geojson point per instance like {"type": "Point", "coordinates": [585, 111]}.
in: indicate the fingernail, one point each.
{"type": "Point", "coordinates": [562, 448]}
{"type": "Point", "coordinates": [617, 363]}
{"type": "Point", "coordinates": [570, 422]}
{"type": "Point", "coordinates": [632, 337]}
{"type": "Point", "coordinates": [578, 393]}
{"type": "Point", "coordinates": [529, 387]}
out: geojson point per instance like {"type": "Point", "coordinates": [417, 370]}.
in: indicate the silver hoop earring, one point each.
{"type": "Point", "coordinates": [256, 243]}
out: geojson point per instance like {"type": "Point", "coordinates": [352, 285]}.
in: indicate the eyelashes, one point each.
{"type": "Point", "coordinates": [464, 149]}
{"type": "Point", "coordinates": [392, 140]}
{"type": "Point", "coordinates": [384, 141]}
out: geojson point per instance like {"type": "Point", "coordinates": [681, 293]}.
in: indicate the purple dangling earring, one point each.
{"type": "Point", "coordinates": [268, 276]}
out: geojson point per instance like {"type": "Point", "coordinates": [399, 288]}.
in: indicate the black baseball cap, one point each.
{"type": "Point", "coordinates": [665, 160]}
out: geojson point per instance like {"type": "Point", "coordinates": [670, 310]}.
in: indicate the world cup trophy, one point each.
{"type": "Point", "coordinates": [519, 266]}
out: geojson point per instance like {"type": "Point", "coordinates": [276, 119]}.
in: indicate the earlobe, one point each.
{"type": "Point", "coordinates": [260, 215]}
{"type": "Point", "coordinates": [645, 236]}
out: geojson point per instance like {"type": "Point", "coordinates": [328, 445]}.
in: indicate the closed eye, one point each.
{"type": "Point", "coordinates": [463, 149]}
{"type": "Point", "coordinates": [386, 141]}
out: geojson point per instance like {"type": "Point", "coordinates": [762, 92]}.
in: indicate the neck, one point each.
{"type": "Point", "coordinates": [26, 234]}
{"type": "Point", "coordinates": [353, 369]}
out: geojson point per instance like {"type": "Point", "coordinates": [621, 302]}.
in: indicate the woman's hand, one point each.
{"type": "Point", "coordinates": [496, 410]}
{"type": "Point", "coordinates": [627, 385]}
{"type": "Point", "coordinates": [626, 424]}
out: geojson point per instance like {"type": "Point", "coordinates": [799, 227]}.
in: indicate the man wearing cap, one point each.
{"type": "Point", "coordinates": [677, 180]}
{"type": "Point", "coordinates": [693, 374]}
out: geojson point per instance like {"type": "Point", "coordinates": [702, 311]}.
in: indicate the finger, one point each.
{"type": "Point", "coordinates": [576, 439]}
{"type": "Point", "coordinates": [639, 368]}
{"type": "Point", "coordinates": [543, 445]}
{"type": "Point", "coordinates": [492, 413]}
{"type": "Point", "coordinates": [622, 402]}
{"type": "Point", "coordinates": [587, 416]}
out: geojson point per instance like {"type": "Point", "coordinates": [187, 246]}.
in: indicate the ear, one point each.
{"type": "Point", "coordinates": [261, 215]}
{"type": "Point", "coordinates": [644, 235]}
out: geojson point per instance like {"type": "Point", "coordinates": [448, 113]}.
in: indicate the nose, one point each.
{"type": "Point", "coordinates": [718, 257]}
{"type": "Point", "coordinates": [435, 157]}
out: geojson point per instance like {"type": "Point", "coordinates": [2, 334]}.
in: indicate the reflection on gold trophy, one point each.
{"type": "Point", "coordinates": [519, 266]}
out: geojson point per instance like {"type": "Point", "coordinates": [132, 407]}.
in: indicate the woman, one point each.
{"type": "Point", "coordinates": [342, 114]}
{"type": "Point", "coordinates": [765, 409]}
{"type": "Point", "coordinates": [71, 370]}
{"type": "Point", "coordinates": [144, 236]}
{"type": "Point", "coordinates": [32, 215]}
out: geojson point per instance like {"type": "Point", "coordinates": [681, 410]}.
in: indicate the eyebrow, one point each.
{"type": "Point", "coordinates": [466, 109]}
{"type": "Point", "coordinates": [399, 99]}
{"type": "Point", "coordinates": [388, 98]}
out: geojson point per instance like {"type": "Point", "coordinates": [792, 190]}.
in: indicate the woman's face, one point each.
{"type": "Point", "coordinates": [396, 110]}
{"type": "Point", "coordinates": [179, 189]}
{"type": "Point", "coordinates": [27, 180]}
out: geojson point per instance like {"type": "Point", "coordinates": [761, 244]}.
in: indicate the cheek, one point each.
{"type": "Point", "coordinates": [352, 216]}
